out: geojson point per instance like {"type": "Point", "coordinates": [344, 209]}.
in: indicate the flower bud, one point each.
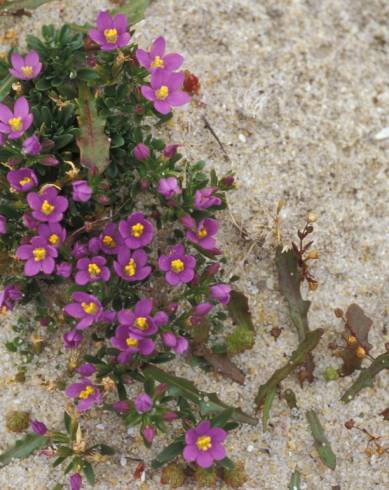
{"type": "Point", "coordinates": [141, 152]}
{"type": "Point", "coordinates": [148, 434]}
{"type": "Point", "coordinates": [360, 352]}
{"type": "Point", "coordinates": [311, 218]}
{"type": "Point", "coordinates": [38, 427]}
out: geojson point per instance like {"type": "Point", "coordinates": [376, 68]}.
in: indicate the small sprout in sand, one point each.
{"type": "Point", "coordinates": [235, 477]}
{"type": "Point", "coordinates": [17, 421]}
{"type": "Point", "coordinates": [173, 475]}
{"type": "Point", "coordinates": [330, 374]}
{"type": "Point", "coordinates": [205, 477]}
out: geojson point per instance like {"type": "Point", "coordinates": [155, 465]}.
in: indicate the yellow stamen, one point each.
{"type": "Point", "coordinates": [137, 230]}
{"type": "Point", "coordinates": [204, 443]}
{"type": "Point", "coordinates": [109, 242]}
{"type": "Point", "coordinates": [177, 265]}
{"type": "Point", "coordinates": [130, 268]}
{"type": "Point", "coordinates": [162, 92]}
{"type": "Point", "coordinates": [26, 70]}
{"type": "Point", "coordinates": [89, 308]}
{"type": "Point", "coordinates": [24, 181]}
{"type": "Point", "coordinates": [111, 35]}
{"type": "Point", "coordinates": [131, 342]}
{"type": "Point", "coordinates": [47, 208]}
{"type": "Point", "coordinates": [157, 63]}
{"type": "Point", "coordinates": [94, 269]}
{"type": "Point", "coordinates": [89, 390]}
{"type": "Point", "coordinates": [16, 124]}
{"type": "Point", "coordinates": [141, 323]}
{"type": "Point", "coordinates": [39, 254]}
{"type": "Point", "coordinates": [202, 233]}
{"type": "Point", "coordinates": [53, 239]}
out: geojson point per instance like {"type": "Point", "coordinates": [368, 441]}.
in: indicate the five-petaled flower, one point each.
{"type": "Point", "coordinates": [110, 239]}
{"type": "Point", "coordinates": [87, 393]}
{"type": "Point", "coordinates": [39, 256]}
{"type": "Point", "coordinates": [92, 269]}
{"type": "Point", "coordinates": [25, 67]}
{"type": "Point", "coordinates": [110, 32]}
{"type": "Point", "coordinates": [130, 343]}
{"type": "Point", "coordinates": [156, 57]}
{"type": "Point", "coordinates": [202, 233]}
{"type": "Point", "coordinates": [178, 266]}
{"type": "Point", "coordinates": [22, 180]}
{"type": "Point", "coordinates": [139, 320]}
{"type": "Point", "coordinates": [48, 205]}
{"type": "Point", "coordinates": [168, 187]}
{"type": "Point", "coordinates": [15, 123]}
{"type": "Point", "coordinates": [136, 231]}
{"type": "Point", "coordinates": [8, 296]}
{"type": "Point", "coordinates": [131, 266]}
{"type": "Point", "coordinates": [54, 233]}
{"type": "Point", "coordinates": [87, 308]}
{"type": "Point", "coordinates": [204, 444]}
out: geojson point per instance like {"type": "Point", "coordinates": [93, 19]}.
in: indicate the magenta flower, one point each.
{"type": "Point", "coordinates": [204, 444]}
{"type": "Point", "coordinates": [120, 406]}
{"type": "Point", "coordinates": [48, 205]}
{"type": "Point", "coordinates": [82, 192]}
{"type": "Point", "coordinates": [168, 187]}
{"type": "Point", "coordinates": [32, 146]}
{"type": "Point", "coordinates": [141, 152]}
{"type": "Point", "coordinates": [136, 231]}
{"type": "Point", "coordinates": [132, 266]}
{"type": "Point", "coordinates": [8, 296]}
{"type": "Point", "coordinates": [204, 198]}
{"type": "Point", "coordinates": [221, 292]}
{"type": "Point", "coordinates": [87, 308]}
{"type": "Point", "coordinates": [130, 343]}
{"type": "Point", "coordinates": [15, 123]}
{"type": "Point", "coordinates": [53, 232]}
{"type": "Point", "coordinates": [94, 245]}
{"type": "Point", "coordinates": [3, 225]}
{"type": "Point", "coordinates": [27, 67]}
{"type": "Point", "coordinates": [156, 57]}
{"type": "Point", "coordinates": [86, 369]}
{"type": "Point", "coordinates": [111, 32]}
{"type": "Point", "coordinates": [178, 344]}
{"type": "Point", "coordinates": [202, 234]}
{"type": "Point", "coordinates": [38, 427]}
{"type": "Point", "coordinates": [87, 394]}
{"type": "Point", "coordinates": [49, 161]}
{"type": "Point", "coordinates": [92, 269]}
{"type": "Point", "coordinates": [139, 319]}
{"type": "Point", "coordinates": [143, 403]}
{"type": "Point", "coordinates": [170, 151]}
{"type": "Point", "coordinates": [72, 339]}
{"type": "Point", "coordinates": [64, 269]}
{"type": "Point", "coordinates": [148, 434]}
{"type": "Point", "coordinates": [39, 256]}
{"type": "Point", "coordinates": [110, 240]}
{"type": "Point", "coordinates": [79, 250]}
{"type": "Point", "coordinates": [22, 180]}
{"type": "Point", "coordinates": [178, 266]}
{"type": "Point", "coordinates": [75, 481]}
{"type": "Point", "coordinates": [165, 91]}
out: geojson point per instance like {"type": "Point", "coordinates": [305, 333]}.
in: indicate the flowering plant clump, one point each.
{"type": "Point", "coordinates": [94, 205]}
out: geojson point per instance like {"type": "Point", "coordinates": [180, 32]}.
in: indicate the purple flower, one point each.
{"type": "Point", "coordinates": [178, 344]}
{"type": "Point", "coordinates": [143, 403]}
{"type": "Point", "coordinates": [204, 198]}
{"type": "Point", "coordinates": [178, 266]}
{"type": "Point", "coordinates": [141, 152]}
{"type": "Point", "coordinates": [25, 68]}
{"type": "Point", "coordinates": [169, 416]}
{"type": "Point", "coordinates": [22, 180]}
{"type": "Point", "coordinates": [86, 369]}
{"type": "Point", "coordinates": [82, 192]}
{"type": "Point", "coordinates": [86, 307]}
{"type": "Point", "coordinates": [120, 406]}
{"type": "Point", "coordinates": [170, 151]}
{"type": "Point", "coordinates": [111, 32]}
{"type": "Point", "coordinates": [29, 222]}
{"type": "Point", "coordinates": [64, 269]}
{"type": "Point", "coordinates": [3, 225]}
{"type": "Point", "coordinates": [169, 187]}
{"type": "Point", "coordinates": [38, 427]}
{"type": "Point", "coordinates": [32, 146]}
{"type": "Point", "coordinates": [199, 312]}
{"type": "Point", "coordinates": [92, 269]}
{"type": "Point", "coordinates": [15, 123]}
{"type": "Point", "coordinates": [87, 393]}
{"type": "Point", "coordinates": [75, 481]}
{"type": "Point", "coordinates": [130, 343]}
{"type": "Point", "coordinates": [203, 233]}
{"type": "Point", "coordinates": [110, 239]}
{"type": "Point", "coordinates": [8, 296]}
{"type": "Point", "coordinates": [156, 57]}
{"type": "Point", "coordinates": [53, 232]}
{"type": "Point", "coordinates": [48, 205]}
{"type": "Point", "coordinates": [165, 91]}
{"type": "Point", "coordinates": [39, 255]}
{"type": "Point", "coordinates": [72, 339]}
{"type": "Point", "coordinates": [79, 250]}
{"type": "Point", "coordinates": [49, 161]}
{"type": "Point", "coordinates": [132, 266]}
{"type": "Point", "coordinates": [139, 319]}
{"type": "Point", "coordinates": [221, 292]}
{"type": "Point", "coordinates": [204, 444]}
{"type": "Point", "coordinates": [148, 434]}
{"type": "Point", "coordinates": [136, 231]}
{"type": "Point", "coordinates": [94, 245]}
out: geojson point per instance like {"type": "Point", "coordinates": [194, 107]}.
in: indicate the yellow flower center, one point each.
{"type": "Point", "coordinates": [130, 268]}
{"type": "Point", "coordinates": [162, 92]}
{"type": "Point", "coordinates": [24, 181]}
{"type": "Point", "coordinates": [47, 208]}
{"type": "Point", "coordinates": [131, 342]}
{"type": "Point", "coordinates": [157, 63]}
{"type": "Point", "coordinates": [177, 265]}
{"type": "Point", "coordinates": [39, 254]}
{"type": "Point", "coordinates": [109, 242]}
{"type": "Point", "coordinates": [16, 124]}
{"type": "Point", "coordinates": [204, 443]}
{"type": "Point", "coordinates": [137, 230]}
{"type": "Point", "coordinates": [53, 239]}
{"type": "Point", "coordinates": [94, 269]}
{"type": "Point", "coordinates": [3, 310]}
{"type": "Point", "coordinates": [89, 390]}
{"type": "Point", "coordinates": [141, 323]}
{"type": "Point", "coordinates": [202, 233]}
{"type": "Point", "coordinates": [26, 70]}
{"type": "Point", "coordinates": [111, 35]}
{"type": "Point", "coordinates": [89, 308]}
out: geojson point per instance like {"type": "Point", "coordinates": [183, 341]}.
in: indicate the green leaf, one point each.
{"type": "Point", "coordinates": [63, 140]}
{"type": "Point", "coordinates": [14, 5]}
{"type": "Point", "coordinates": [107, 450]}
{"type": "Point", "coordinates": [22, 448]}
{"type": "Point", "coordinates": [222, 419]}
{"type": "Point", "coordinates": [93, 142]}
{"type": "Point", "coordinates": [321, 442]}
{"type": "Point", "coordinates": [267, 406]}
{"type": "Point", "coordinates": [86, 74]}
{"type": "Point", "coordinates": [89, 473]}
{"type": "Point", "coordinates": [226, 463]}
{"type": "Point", "coordinates": [68, 422]}
{"type": "Point", "coordinates": [295, 481]}
{"type": "Point", "coordinates": [134, 10]}
{"type": "Point", "coordinates": [42, 84]}
{"type": "Point", "coordinates": [238, 308]}
{"type": "Point", "coordinates": [168, 454]}
{"type": "Point", "coordinates": [5, 86]}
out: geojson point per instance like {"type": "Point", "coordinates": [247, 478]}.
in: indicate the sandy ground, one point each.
{"type": "Point", "coordinates": [295, 90]}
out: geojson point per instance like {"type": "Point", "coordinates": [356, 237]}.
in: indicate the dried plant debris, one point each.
{"type": "Point", "coordinates": [321, 442]}
{"type": "Point", "coordinates": [295, 481]}
{"type": "Point", "coordinates": [385, 414]}
{"type": "Point", "coordinates": [243, 337]}
{"type": "Point", "coordinates": [373, 446]}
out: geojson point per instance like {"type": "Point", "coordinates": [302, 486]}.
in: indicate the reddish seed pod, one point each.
{"type": "Point", "coordinates": [191, 83]}
{"type": "Point", "coordinates": [349, 424]}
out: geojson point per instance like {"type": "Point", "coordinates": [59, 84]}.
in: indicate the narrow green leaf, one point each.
{"type": "Point", "coordinates": [267, 406]}
{"type": "Point", "coordinates": [86, 74]}
{"type": "Point", "coordinates": [168, 454]}
{"type": "Point", "coordinates": [222, 418]}
{"type": "Point", "coordinates": [321, 442]}
{"type": "Point", "coordinates": [295, 481]}
{"type": "Point", "coordinates": [134, 10]}
{"type": "Point", "coordinates": [14, 5]}
{"type": "Point", "coordinates": [238, 308]}
{"type": "Point", "coordinates": [22, 448]}
{"type": "Point", "coordinates": [89, 473]}
{"type": "Point", "coordinates": [5, 86]}
{"type": "Point", "coordinates": [68, 422]}
{"type": "Point", "coordinates": [226, 463]}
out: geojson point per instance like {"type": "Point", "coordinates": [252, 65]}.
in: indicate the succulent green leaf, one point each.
{"type": "Point", "coordinates": [5, 85]}
{"type": "Point", "coordinates": [22, 448]}
{"type": "Point", "coordinates": [14, 5]}
{"type": "Point", "coordinates": [321, 442]}
{"type": "Point", "coordinates": [169, 453]}
{"type": "Point", "coordinates": [295, 481]}
{"type": "Point", "coordinates": [267, 406]}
